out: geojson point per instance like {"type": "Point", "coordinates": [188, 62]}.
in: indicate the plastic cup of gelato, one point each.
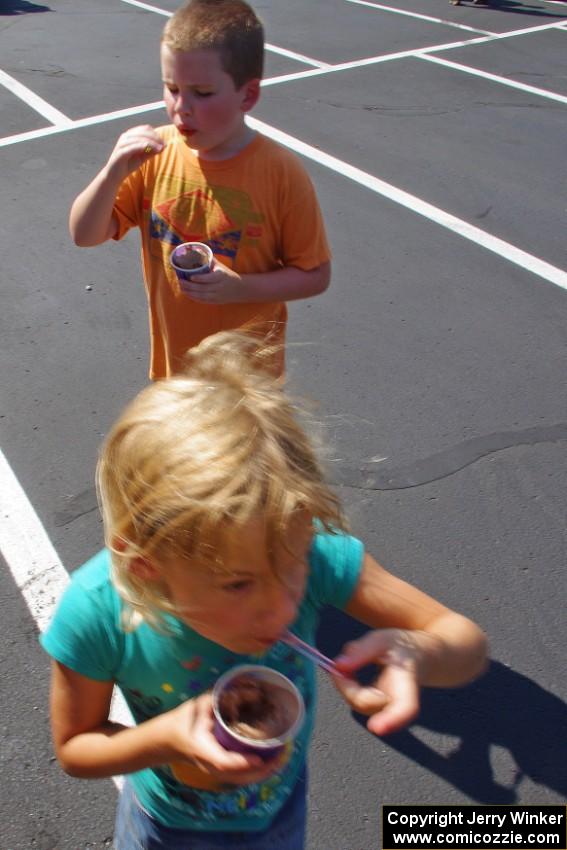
{"type": "Point", "coordinates": [257, 710]}
{"type": "Point", "coordinates": [190, 259]}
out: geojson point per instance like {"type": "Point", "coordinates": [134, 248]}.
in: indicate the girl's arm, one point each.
{"type": "Point", "coordinates": [419, 642]}
{"type": "Point", "coordinates": [89, 745]}
{"type": "Point", "coordinates": [452, 648]}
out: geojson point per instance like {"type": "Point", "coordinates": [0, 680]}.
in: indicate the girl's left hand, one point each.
{"type": "Point", "coordinates": [393, 701]}
{"type": "Point", "coordinates": [219, 286]}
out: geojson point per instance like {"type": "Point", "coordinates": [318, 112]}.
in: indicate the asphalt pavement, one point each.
{"type": "Point", "coordinates": [435, 136]}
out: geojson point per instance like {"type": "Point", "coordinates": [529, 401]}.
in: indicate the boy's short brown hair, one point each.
{"type": "Point", "coordinates": [229, 26]}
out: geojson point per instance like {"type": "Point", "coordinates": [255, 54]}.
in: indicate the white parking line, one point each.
{"type": "Point", "coordinates": [31, 558]}
{"type": "Point", "coordinates": [35, 565]}
{"type": "Point", "coordinates": [421, 17]}
{"type": "Point", "coordinates": [407, 54]}
{"type": "Point", "coordinates": [67, 124]}
{"type": "Point", "coordinates": [474, 234]}
{"type": "Point", "coordinates": [34, 101]}
{"type": "Point", "coordinates": [282, 51]}
{"type": "Point", "coordinates": [82, 122]}
{"type": "Point", "coordinates": [507, 251]}
{"type": "Point", "coordinates": [299, 57]}
{"type": "Point", "coordinates": [504, 81]}
{"type": "Point", "coordinates": [498, 246]}
{"type": "Point", "coordinates": [149, 8]}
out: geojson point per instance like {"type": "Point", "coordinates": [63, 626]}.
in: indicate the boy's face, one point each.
{"type": "Point", "coordinates": [246, 605]}
{"type": "Point", "coordinates": [203, 102]}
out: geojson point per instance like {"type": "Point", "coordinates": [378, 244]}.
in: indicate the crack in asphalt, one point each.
{"type": "Point", "coordinates": [365, 476]}
{"type": "Point", "coordinates": [76, 507]}
{"type": "Point", "coordinates": [444, 463]}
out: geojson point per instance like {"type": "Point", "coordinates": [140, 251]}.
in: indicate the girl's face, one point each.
{"type": "Point", "coordinates": [204, 104]}
{"type": "Point", "coordinates": [246, 605]}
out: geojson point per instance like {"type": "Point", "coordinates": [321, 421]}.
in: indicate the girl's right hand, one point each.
{"type": "Point", "coordinates": [133, 148]}
{"type": "Point", "coordinates": [187, 735]}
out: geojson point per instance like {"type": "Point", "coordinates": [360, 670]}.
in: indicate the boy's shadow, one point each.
{"type": "Point", "coordinates": [20, 7]}
{"type": "Point", "coordinates": [501, 709]}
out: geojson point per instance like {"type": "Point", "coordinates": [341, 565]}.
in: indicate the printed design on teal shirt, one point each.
{"type": "Point", "coordinates": [205, 798]}
{"type": "Point", "coordinates": [142, 705]}
{"type": "Point", "coordinates": [256, 800]}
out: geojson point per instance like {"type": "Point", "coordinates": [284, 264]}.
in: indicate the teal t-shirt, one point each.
{"type": "Point", "coordinates": [156, 672]}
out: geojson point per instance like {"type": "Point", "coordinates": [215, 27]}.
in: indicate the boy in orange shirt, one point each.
{"type": "Point", "coordinates": [209, 177]}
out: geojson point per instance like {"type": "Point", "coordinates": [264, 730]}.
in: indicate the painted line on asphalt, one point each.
{"type": "Point", "coordinates": [30, 135]}
{"type": "Point", "coordinates": [462, 228]}
{"type": "Point", "coordinates": [298, 57]}
{"type": "Point", "coordinates": [35, 101]}
{"type": "Point", "coordinates": [506, 250]}
{"type": "Point", "coordinates": [149, 8]}
{"type": "Point", "coordinates": [407, 54]}
{"type": "Point", "coordinates": [270, 81]}
{"type": "Point", "coordinates": [474, 234]}
{"type": "Point", "coordinates": [35, 565]}
{"type": "Point", "coordinates": [419, 16]}
{"type": "Point", "coordinates": [504, 81]}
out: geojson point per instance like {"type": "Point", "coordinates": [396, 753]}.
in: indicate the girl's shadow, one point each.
{"type": "Point", "coordinates": [503, 709]}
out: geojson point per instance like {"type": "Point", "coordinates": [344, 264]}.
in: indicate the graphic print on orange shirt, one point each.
{"type": "Point", "coordinates": [185, 211]}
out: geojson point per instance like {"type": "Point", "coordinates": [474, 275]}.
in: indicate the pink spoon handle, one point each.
{"type": "Point", "coordinates": [310, 652]}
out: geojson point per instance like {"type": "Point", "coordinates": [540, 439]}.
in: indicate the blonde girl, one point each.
{"type": "Point", "coordinates": [221, 532]}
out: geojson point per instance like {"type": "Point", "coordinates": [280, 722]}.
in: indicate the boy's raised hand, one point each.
{"type": "Point", "coordinates": [189, 734]}
{"type": "Point", "coordinates": [393, 701]}
{"type": "Point", "coordinates": [133, 148]}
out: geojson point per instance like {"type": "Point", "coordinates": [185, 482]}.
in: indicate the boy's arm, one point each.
{"type": "Point", "coordinates": [287, 284]}
{"type": "Point", "coordinates": [89, 745]}
{"type": "Point", "coordinates": [418, 642]}
{"type": "Point", "coordinates": [225, 286]}
{"type": "Point", "coordinates": [91, 220]}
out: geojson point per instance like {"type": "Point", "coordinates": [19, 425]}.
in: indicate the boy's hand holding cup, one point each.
{"type": "Point", "coordinates": [189, 260]}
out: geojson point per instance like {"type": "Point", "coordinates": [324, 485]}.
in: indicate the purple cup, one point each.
{"type": "Point", "coordinates": [190, 251]}
{"type": "Point", "coordinates": [269, 747]}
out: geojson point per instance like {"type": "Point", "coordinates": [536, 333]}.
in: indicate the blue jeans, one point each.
{"type": "Point", "coordinates": [136, 830]}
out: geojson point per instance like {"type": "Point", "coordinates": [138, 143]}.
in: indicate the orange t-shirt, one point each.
{"type": "Point", "coordinates": [258, 212]}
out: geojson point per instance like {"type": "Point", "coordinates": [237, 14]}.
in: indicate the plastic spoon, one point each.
{"type": "Point", "coordinates": [310, 652]}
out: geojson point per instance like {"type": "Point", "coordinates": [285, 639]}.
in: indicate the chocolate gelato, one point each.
{"type": "Point", "coordinates": [256, 709]}
{"type": "Point", "coordinates": [190, 258]}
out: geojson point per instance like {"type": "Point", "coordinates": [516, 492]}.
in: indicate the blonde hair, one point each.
{"type": "Point", "coordinates": [229, 26]}
{"type": "Point", "coordinates": [197, 456]}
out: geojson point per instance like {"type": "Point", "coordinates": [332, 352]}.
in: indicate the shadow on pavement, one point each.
{"type": "Point", "coordinates": [502, 709]}
{"type": "Point", "coordinates": [20, 7]}
{"type": "Point", "coordinates": [516, 6]}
